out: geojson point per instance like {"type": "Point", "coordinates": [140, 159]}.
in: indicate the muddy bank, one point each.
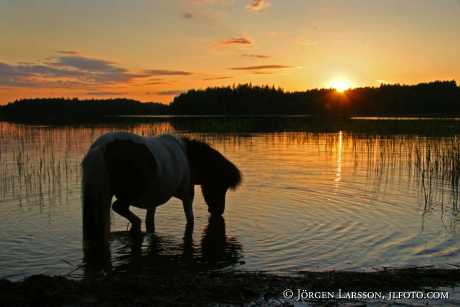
{"type": "Point", "coordinates": [202, 288]}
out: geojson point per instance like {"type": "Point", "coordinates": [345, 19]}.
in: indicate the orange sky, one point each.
{"type": "Point", "coordinates": [153, 50]}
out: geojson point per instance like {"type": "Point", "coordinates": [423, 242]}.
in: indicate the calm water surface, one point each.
{"type": "Point", "coordinates": [310, 200]}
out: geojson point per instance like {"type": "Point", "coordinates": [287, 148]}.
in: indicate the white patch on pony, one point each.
{"type": "Point", "coordinates": [173, 177]}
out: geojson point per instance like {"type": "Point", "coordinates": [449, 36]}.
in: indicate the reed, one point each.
{"type": "Point", "coordinates": [42, 164]}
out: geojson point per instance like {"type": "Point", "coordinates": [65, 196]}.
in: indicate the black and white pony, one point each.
{"type": "Point", "coordinates": [146, 172]}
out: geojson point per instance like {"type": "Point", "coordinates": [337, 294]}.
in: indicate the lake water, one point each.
{"type": "Point", "coordinates": [314, 197]}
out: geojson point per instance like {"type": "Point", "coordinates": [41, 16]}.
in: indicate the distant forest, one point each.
{"type": "Point", "coordinates": [434, 98]}
{"type": "Point", "coordinates": [440, 97]}
{"type": "Point", "coordinates": [57, 109]}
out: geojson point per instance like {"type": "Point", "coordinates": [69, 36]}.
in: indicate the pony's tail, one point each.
{"type": "Point", "coordinates": [96, 198]}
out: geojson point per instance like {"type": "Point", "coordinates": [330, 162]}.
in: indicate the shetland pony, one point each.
{"type": "Point", "coordinates": [146, 172]}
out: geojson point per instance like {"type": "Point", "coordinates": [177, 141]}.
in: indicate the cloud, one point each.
{"type": "Point", "coordinates": [170, 92]}
{"type": "Point", "coordinates": [217, 78]}
{"type": "Point", "coordinates": [187, 15]}
{"type": "Point", "coordinates": [262, 72]}
{"type": "Point", "coordinates": [218, 2]}
{"type": "Point", "coordinates": [236, 41]}
{"type": "Point", "coordinates": [157, 83]}
{"type": "Point", "coordinates": [37, 75]}
{"type": "Point", "coordinates": [64, 71]}
{"type": "Point", "coordinates": [104, 93]}
{"type": "Point", "coordinates": [68, 52]}
{"type": "Point", "coordinates": [86, 64]}
{"type": "Point", "coordinates": [92, 70]}
{"type": "Point", "coordinates": [260, 67]}
{"type": "Point", "coordinates": [166, 72]}
{"type": "Point", "coordinates": [71, 70]}
{"type": "Point", "coordinates": [258, 5]}
{"type": "Point", "coordinates": [257, 56]}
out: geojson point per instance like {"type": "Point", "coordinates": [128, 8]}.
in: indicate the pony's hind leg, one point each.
{"type": "Point", "coordinates": [123, 209]}
{"type": "Point", "coordinates": [150, 220]}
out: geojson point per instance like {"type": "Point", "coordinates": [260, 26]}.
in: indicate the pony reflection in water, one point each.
{"type": "Point", "coordinates": [146, 172]}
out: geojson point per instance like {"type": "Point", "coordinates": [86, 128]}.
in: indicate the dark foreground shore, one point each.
{"type": "Point", "coordinates": [218, 288]}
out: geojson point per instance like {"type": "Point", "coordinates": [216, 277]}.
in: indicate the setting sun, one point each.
{"type": "Point", "coordinates": [340, 85]}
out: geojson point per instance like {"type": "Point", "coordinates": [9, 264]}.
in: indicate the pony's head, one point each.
{"type": "Point", "coordinates": [215, 173]}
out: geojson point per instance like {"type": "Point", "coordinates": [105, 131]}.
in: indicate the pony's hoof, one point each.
{"type": "Point", "coordinates": [136, 238]}
{"type": "Point", "coordinates": [135, 232]}
{"type": "Point", "coordinates": [150, 229]}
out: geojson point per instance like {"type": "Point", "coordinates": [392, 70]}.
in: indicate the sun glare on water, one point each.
{"type": "Point", "coordinates": [340, 85]}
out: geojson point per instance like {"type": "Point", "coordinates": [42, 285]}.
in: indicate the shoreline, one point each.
{"type": "Point", "coordinates": [197, 288]}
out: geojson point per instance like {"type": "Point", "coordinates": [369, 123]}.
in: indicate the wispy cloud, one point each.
{"type": "Point", "coordinates": [257, 56]}
{"type": "Point", "coordinates": [86, 64]}
{"type": "Point", "coordinates": [68, 52]}
{"type": "Point", "coordinates": [157, 83]}
{"type": "Point", "coordinates": [260, 67]}
{"type": "Point", "coordinates": [93, 70]}
{"type": "Point", "coordinates": [262, 72]}
{"type": "Point", "coordinates": [187, 15]}
{"type": "Point", "coordinates": [170, 92]}
{"type": "Point", "coordinates": [236, 41]}
{"type": "Point", "coordinates": [219, 2]}
{"type": "Point", "coordinates": [38, 75]}
{"type": "Point", "coordinates": [69, 69]}
{"type": "Point", "coordinates": [105, 93]}
{"type": "Point", "coordinates": [166, 72]}
{"type": "Point", "coordinates": [258, 5]}
{"type": "Point", "coordinates": [217, 78]}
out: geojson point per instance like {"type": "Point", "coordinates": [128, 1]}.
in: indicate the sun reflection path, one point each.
{"type": "Point", "coordinates": [338, 170]}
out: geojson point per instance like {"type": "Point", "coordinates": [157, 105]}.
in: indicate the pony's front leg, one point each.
{"type": "Point", "coordinates": [187, 201]}
{"type": "Point", "coordinates": [150, 219]}
{"type": "Point", "coordinates": [123, 209]}
{"type": "Point", "coordinates": [188, 210]}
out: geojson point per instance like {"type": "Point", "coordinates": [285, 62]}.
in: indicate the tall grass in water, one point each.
{"type": "Point", "coordinates": [429, 164]}
{"type": "Point", "coordinates": [437, 166]}
{"type": "Point", "coordinates": [41, 164]}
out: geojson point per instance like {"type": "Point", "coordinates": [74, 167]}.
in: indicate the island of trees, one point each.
{"type": "Point", "coordinates": [425, 99]}
{"type": "Point", "coordinates": [55, 109]}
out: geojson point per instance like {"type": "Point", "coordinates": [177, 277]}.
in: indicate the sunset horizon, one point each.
{"type": "Point", "coordinates": [152, 52]}
{"type": "Point", "coordinates": [338, 86]}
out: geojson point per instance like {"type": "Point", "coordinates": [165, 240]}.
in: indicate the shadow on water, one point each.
{"type": "Point", "coordinates": [154, 254]}
{"type": "Point", "coordinates": [248, 124]}
{"type": "Point", "coordinates": [412, 126]}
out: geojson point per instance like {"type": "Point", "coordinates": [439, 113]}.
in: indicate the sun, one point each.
{"type": "Point", "coordinates": [340, 85]}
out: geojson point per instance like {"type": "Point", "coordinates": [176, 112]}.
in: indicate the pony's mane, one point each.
{"type": "Point", "coordinates": [211, 165]}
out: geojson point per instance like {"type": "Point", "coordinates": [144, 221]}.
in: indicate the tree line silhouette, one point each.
{"type": "Point", "coordinates": [62, 109]}
{"type": "Point", "coordinates": [439, 97]}
{"type": "Point", "coordinates": [433, 98]}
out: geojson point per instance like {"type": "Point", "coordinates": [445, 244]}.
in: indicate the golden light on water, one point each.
{"type": "Point", "coordinates": [338, 172]}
